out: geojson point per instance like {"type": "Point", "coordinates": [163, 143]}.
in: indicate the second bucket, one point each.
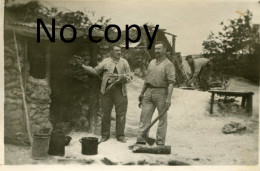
{"type": "Point", "coordinates": [57, 144]}
{"type": "Point", "coordinates": [89, 145]}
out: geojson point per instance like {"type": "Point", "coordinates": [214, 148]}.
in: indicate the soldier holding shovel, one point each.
{"type": "Point", "coordinates": [156, 93]}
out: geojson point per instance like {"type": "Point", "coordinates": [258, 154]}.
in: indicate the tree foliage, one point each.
{"type": "Point", "coordinates": [31, 11]}
{"type": "Point", "coordinates": [235, 50]}
{"type": "Point", "coordinates": [238, 36]}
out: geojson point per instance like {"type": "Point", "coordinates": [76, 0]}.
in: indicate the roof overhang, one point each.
{"type": "Point", "coordinates": [30, 30]}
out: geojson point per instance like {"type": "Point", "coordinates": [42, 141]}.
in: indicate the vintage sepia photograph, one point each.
{"type": "Point", "coordinates": [140, 83]}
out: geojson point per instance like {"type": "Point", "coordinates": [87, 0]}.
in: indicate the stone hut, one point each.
{"type": "Point", "coordinates": [43, 93]}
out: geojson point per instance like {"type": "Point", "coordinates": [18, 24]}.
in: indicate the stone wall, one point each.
{"type": "Point", "coordinates": [37, 97]}
{"type": "Point", "coordinates": [38, 102]}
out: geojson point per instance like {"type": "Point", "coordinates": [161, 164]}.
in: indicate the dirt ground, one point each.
{"type": "Point", "coordinates": [195, 136]}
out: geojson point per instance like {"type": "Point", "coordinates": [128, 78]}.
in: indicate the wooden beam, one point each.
{"type": "Point", "coordinates": [212, 103]}
{"type": "Point", "coordinates": [173, 44]}
{"type": "Point", "coordinates": [23, 92]}
{"type": "Point", "coordinates": [249, 105]}
{"type": "Point", "coordinates": [48, 63]}
{"type": "Point", "coordinates": [169, 34]}
{"type": "Point", "coordinates": [25, 62]}
{"type": "Point", "coordinates": [231, 93]}
{"type": "Point", "coordinates": [152, 149]}
{"type": "Point", "coordinates": [94, 90]}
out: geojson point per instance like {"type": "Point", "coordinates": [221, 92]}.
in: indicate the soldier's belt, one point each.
{"type": "Point", "coordinates": [151, 86]}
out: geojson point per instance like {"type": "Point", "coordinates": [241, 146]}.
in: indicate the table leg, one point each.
{"type": "Point", "coordinates": [212, 103]}
{"type": "Point", "coordinates": [249, 105]}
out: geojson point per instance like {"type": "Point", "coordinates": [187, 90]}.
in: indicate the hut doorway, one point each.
{"type": "Point", "coordinates": [68, 94]}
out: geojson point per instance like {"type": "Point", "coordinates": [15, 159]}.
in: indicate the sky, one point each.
{"type": "Point", "coordinates": [192, 21]}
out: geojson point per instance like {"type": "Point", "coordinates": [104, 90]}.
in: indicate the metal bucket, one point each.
{"type": "Point", "coordinates": [57, 144]}
{"type": "Point", "coordinates": [89, 145]}
{"type": "Point", "coordinates": [40, 146]}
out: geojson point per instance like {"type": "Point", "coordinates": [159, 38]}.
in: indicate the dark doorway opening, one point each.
{"type": "Point", "coordinates": [75, 98]}
{"type": "Point", "coordinates": [68, 92]}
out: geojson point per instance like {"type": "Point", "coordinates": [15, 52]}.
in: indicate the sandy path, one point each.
{"type": "Point", "coordinates": [194, 135]}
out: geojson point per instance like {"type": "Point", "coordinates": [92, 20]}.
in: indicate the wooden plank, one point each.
{"type": "Point", "coordinates": [230, 93]}
{"type": "Point", "coordinates": [173, 44]}
{"type": "Point", "coordinates": [225, 91]}
{"type": "Point", "coordinates": [152, 149]}
{"type": "Point", "coordinates": [48, 64]}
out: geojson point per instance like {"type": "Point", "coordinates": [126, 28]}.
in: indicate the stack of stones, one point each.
{"type": "Point", "coordinates": [37, 93]}
{"type": "Point", "coordinates": [38, 102]}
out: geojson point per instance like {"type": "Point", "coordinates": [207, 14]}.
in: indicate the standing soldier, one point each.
{"type": "Point", "coordinates": [116, 73]}
{"type": "Point", "coordinates": [157, 93]}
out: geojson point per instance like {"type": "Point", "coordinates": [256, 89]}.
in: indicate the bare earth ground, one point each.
{"type": "Point", "coordinates": [194, 135]}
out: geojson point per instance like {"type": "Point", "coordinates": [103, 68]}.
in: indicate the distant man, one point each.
{"type": "Point", "coordinates": [116, 73]}
{"type": "Point", "coordinates": [157, 93]}
{"type": "Point", "coordinates": [200, 71]}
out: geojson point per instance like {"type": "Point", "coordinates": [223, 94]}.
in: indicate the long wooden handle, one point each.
{"type": "Point", "coordinates": [23, 93]}
{"type": "Point", "coordinates": [153, 122]}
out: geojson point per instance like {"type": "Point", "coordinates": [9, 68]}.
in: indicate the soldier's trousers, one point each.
{"type": "Point", "coordinates": [114, 97]}
{"type": "Point", "coordinates": [204, 75]}
{"type": "Point", "coordinates": [154, 98]}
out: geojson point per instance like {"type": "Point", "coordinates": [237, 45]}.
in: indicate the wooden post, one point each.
{"type": "Point", "coordinates": [249, 105]}
{"type": "Point", "coordinates": [25, 62]}
{"type": "Point", "coordinates": [173, 43]}
{"type": "Point", "coordinates": [243, 101]}
{"type": "Point", "coordinates": [48, 64]}
{"type": "Point", "coordinates": [23, 92]}
{"type": "Point", "coordinates": [212, 103]}
{"type": "Point", "coordinates": [94, 90]}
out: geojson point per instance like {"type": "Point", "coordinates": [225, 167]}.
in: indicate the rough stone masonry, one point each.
{"type": "Point", "coordinates": [37, 93]}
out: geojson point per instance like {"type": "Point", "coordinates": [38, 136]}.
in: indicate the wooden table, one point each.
{"type": "Point", "coordinates": [247, 99]}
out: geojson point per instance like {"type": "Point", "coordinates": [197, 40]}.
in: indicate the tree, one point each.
{"type": "Point", "coordinates": [212, 46]}
{"type": "Point", "coordinates": [235, 49]}
{"type": "Point", "coordinates": [31, 11]}
{"type": "Point", "coordinates": [237, 37]}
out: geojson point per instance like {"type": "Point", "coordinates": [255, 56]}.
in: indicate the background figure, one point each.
{"type": "Point", "coordinates": [201, 70]}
